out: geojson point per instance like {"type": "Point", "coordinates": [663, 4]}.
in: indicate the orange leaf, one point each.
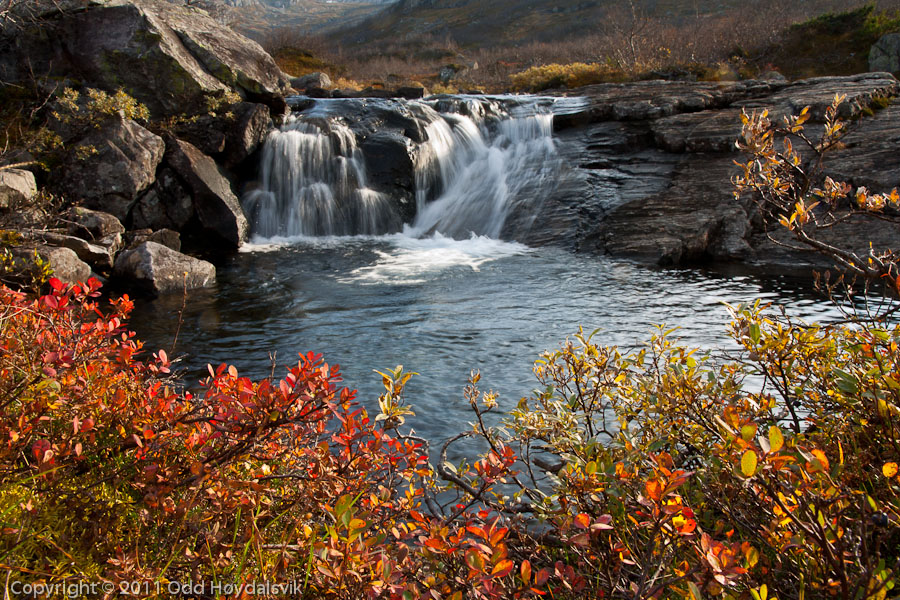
{"type": "Point", "coordinates": [889, 469]}
{"type": "Point", "coordinates": [654, 489]}
{"type": "Point", "coordinates": [525, 569]}
{"type": "Point", "coordinates": [822, 458]}
{"type": "Point", "coordinates": [502, 568]}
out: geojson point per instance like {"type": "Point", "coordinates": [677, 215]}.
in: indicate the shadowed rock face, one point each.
{"type": "Point", "coordinates": [217, 208]}
{"type": "Point", "coordinates": [165, 55]}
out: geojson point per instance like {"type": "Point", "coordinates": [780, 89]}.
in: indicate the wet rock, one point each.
{"type": "Point", "coordinates": [92, 224]}
{"type": "Point", "coordinates": [657, 158]}
{"type": "Point", "coordinates": [704, 131]}
{"type": "Point", "coordinates": [391, 168]}
{"type": "Point", "coordinates": [17, 186]}
{"type": "Point", "coordinates": [120, 162]}
{"type": "Point", "coordinates": [155, 269]}
{"type": "Point", "coordinates": [691, 220]}
{"type": "Point", "coordinates": [217, 209]}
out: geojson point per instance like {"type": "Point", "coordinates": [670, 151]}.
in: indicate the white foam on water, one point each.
{"type": "Point", "coordinates": [414, 260]}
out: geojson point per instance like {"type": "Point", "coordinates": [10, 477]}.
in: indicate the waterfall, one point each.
{"type": "Point", "coordinates": [484, 179]}
{"type": "Point", "coordinates": [314, 183]}
{"type": "Point", "coordinates": [476, 168]}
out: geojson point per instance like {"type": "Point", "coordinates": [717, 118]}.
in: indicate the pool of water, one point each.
{"type": "Point", "coordinates": [440, 307]}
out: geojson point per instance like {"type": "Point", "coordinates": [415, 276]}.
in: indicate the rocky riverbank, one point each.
{"type": "Point", "coordinates": [655, 160]}
{"type": "Point", "coordinates": [162, 163]}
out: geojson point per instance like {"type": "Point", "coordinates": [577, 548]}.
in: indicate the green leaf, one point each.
{"type": "Point", "coordinates": [695, 591]}
{"type": "Point", "coordinates": [754, 333]}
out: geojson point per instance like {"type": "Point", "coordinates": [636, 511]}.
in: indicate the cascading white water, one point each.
{"type": "Point", "coordinates": [484, 178]}
{"type": "Point", "coordinates": [313, 182]}
{"type": "Point", "coordinates": [474, 170]}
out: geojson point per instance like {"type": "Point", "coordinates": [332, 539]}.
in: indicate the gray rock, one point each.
{"type": "Point", "coordinates": [168, 238]}
{"type": "Point", "coordinates": [112, 242]}
{"type": "Point", "coordinates": [704, 131]}
{"type": "Point", "coordinates": [65, 263]}
{"type": "Point", "coordinates": [450, 72]}
{"type": "Point", "coordinates": [312, 80]}
{"type": "Point", "coordinates": [217, 208]}
{"type": "Point", "coordinates": [97, 256]}
{"type": "Point", "coordinates": [93, 224]}
{"type": "Point", "coordinates": [121, 161]}
{"type": "Point", "coordinates": [156, 269]}
{"type": "Point", "coordinates": [17, 186]}
{"type": "Point", "coordinates": [167, 55]}
{"type": "Point", "coordinates": [659, 184]}
{"type": "Point", "coordinates": [884, 55]}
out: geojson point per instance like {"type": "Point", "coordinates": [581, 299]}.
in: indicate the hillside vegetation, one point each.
{"type": "Point", "coordinates": [492, 46]}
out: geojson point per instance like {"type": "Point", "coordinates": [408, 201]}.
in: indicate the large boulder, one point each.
{"type": "Point", "coordinates": [17, 186]}
{"type": "Point", "coordinates": [312, 80]}
{"type": "Point", "coordinates": [110, 167]}
{"type": "Point", "coordinates": [156, 269]}
{"type": "Point", "coordinates": [884, 55]}
{"type": "Point", "coordinates": [167, 55]}
{"type": "Point", "coordinates": [217, 208]}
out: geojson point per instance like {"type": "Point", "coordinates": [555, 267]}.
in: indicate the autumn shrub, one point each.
{"type": "Point", "coordinates": [661, 472]}
{"type": "Point", "coordinates": [570, 75]}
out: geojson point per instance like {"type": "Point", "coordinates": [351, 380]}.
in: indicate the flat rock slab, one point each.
{"type": "Point", "coordinates": [99, 257]}
{"type": "Point", "coordinates": [155, 269]}
{"type": "Point", "coordinates": [683, 136]}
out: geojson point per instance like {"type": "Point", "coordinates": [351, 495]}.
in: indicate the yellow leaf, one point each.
{"type": "Point", "coordinates": [889, 469]}
{"type": "Point", "coordinates": [748, 463]}
{"type": "Point", "coordinates": [776, 440]}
